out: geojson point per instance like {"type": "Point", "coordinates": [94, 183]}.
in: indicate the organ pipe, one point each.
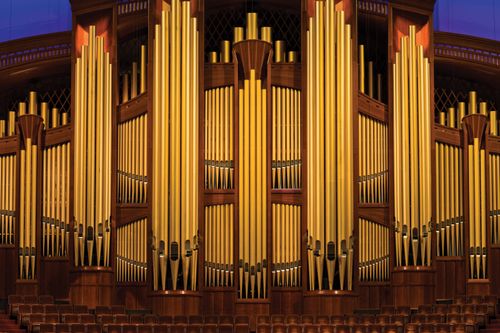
{"type": "Point", "coordinates": [286, 161]}
{"type": "Point", "coordinates": [219, 268]}
{"type": "Point", "coordinates": [253, 188]}
{"type": "Point", "coordinates": [286, 266]}
{"type": "Point", "coordinates": [132, 160]}
{"type": "Point", "coordinates": [373, 160]}
{"type": "Point", "coordinates": [131, 247]}
{"type": "Point", "coordinates": [175, 148]}
{"type": "Point", "coordinates": [373, 251]}
{"type": "Point", "coordinates": [449, 206]}
{"type": "Point", "coordinates": [330, 150]}
{"type": "Point", "coordinates": [7, 198]}
{"type": "Point", "coordinates": [412, 153]}
{"type": "Point", "coordinates": [55, 204]}
{"type": "Point", "coordinates": [28, 199]}
{"type": "Point", "coordinates": [219, 141]}
{"type": "Point", "coordinates": [92, 187]}
{"type": "Point", "coordinates": [494, 172]}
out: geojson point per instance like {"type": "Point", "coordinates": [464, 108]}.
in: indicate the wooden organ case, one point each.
{"type": "Point", "coordinates": [228, 173]}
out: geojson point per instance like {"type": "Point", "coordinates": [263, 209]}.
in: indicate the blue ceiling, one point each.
{"type": "Point", "coordinates": [23, 18]}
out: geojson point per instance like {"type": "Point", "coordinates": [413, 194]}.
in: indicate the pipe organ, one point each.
{"type": "Point", "coordinates": [373, 160]}
{"type": "Point", "coordinates": [286, 161]}
{"type": "Point", "coordinates": [8, 173]}
{"type": "Point", "coordinates": [252, 181]}
{"type": "Point", "coordinates": [285, 267]}
{"type": "Point", "coordinates": [29, 129]}
{"type": "Point", "coordinates": [494, 173]}
{"type": "Point", "coordinates": [55, 211]}
{"type": "Point", "coordinates": [251, 170]}
{"type": "Point", "coordinates": [131, 247]}
{"type": "Point", "coordinates": [132, 160]}
{"type": "Point", "coordinates": [219, 142]}
{"type": "Point", "coordinates": [219, 245]}
{"type": "Point", "coordinates": [330, 149]}
{"type": "Point", "coordinates": [412, 158]}
{"type": "Point", "coordinates": [92, 167]}
{"type": "Point", "coordinates": [449, 200]}
{"type": "Point", "coordinates": [175, 148]}
{"type": "Point", "coordinates": [475, 178]}
{"type": "Point", "coordinates": [373, 251]}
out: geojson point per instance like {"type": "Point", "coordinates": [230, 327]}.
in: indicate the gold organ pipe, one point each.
{"type": "Point", "coordinates": [362, 68]}
{"type": "Point", "coordinates": [472, 102]}
{"type": "Point", "coordinates": [451, 117]}
{"type": "Point", "coordinates": [461, 113]}
{"type": "Point", "coordinates": [12, 123]}
{"type": "Point", "coordinates": [483, 108]}
{"type": "Point", "coordinates": [55, 117]}
{"type": "Point", "coordinates": [482, 220]}
{"type": "Point", "coordinates": [265, 34]}
{"type": "Point", "coordinates": [133, 81]}
{"type": "Point", "coordinates": [493, 123]}
{"type": "Point", "coordinates": [33, 103]}
{"type": "Point", "coordinates": [44, 109]}
{"type": "Point", "coordinates": [238, 34]}
{"type": "Point", "coordinates": [279, 51]}
{"type": "Point", "coordinates": [225, 51]}
{"type": "Point", "coordinates": [251, 27]}
{"type": "Point", "coordinates": [213, 57]}
{"type": "Point", "coordinates": [143, 69]}
{"type": "Point", "coordinates": [292, 56]}
{"type": "Point", "coordinates": [22, 109]}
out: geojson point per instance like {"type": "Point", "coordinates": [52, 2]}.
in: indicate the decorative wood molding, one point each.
{"type": "Point", "coordinates": [467, 49]}
{"type": "Point", "coordinates": [373, 7]}
{"type": "Point", "coordinates": [34, 49]}
{"type": "Point", "coordinates": [132, 6]}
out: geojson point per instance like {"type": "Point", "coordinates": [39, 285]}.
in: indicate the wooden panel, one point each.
{"type": "Point", "coordinates": [286, 75]}
{"type": "Point", "coordinates": [330, 302]}
{"type": "Point", "coordinates": [372, 108]}
{"type": "Point", "coordinates": [8, 258]}
{"type": "Point", "coordinates": [58, 135]}
{"type": "Point", "coordinates": [219, 301]}
{"type": "Point", "coordinates": [447, 135]}
{"type": "Point", "coordinates": [376, 214]}
{"type": "Point", "coordinates": [217, 75]}
{"type": "Point", "coordinates": [8, 145]}
{"type": "Point", "coordinates": [176, 303]}
{"type": "Point", "coordinates": [26, 287]}
{"type": "Point", "coordinates": [375, 294]}
{"type": "Point", "coordinates": [495, 268]}
{"type": "Point", "coordinates": [129, 213]}
{"type": "Point", "coordinates": [54, 277]}
{"type": "Point", "coordinates": [450, 277]}
{"type": "Point", "coordinates": [91, 286]}
{"type": "Point", "coordinates": [132, 296]}
{"type": "Point", "coordinates": [133, 108]}
{"type": "Point", "coordinates": [286, 301]}
{"type": "Point", "coordinates": [479, 287]}
{"type": "Point", "coordinates": [413, 285]}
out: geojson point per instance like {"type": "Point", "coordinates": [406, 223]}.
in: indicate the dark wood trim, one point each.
{"type": "Point", "coordinates": [133, 108]}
